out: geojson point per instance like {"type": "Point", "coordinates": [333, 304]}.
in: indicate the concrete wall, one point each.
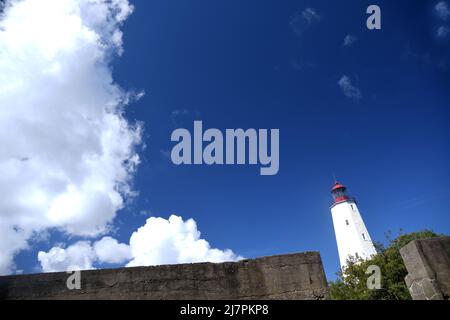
{"type": "Point", "coordinates": [428, 264]}
{"type": "Point", "coordinates": [293, 276]}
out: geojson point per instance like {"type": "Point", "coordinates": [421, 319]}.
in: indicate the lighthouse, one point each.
{"type": "Point", "coordinates": [352, 237]}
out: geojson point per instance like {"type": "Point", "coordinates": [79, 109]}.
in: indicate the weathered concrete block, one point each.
{"type": "Point", "coordinates": [292, 276]}
{"type": "Point", "coordinates": [428, 265]}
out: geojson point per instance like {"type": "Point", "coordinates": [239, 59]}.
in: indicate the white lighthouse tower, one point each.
{"type": "Point", "coordinates": [352, 237]}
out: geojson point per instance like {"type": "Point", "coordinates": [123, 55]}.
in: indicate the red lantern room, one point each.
{"type": "Point", "coordinates": [339, 192]}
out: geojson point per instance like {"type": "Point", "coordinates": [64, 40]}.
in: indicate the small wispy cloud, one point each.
{"type": "Point", "coordinates": [348, 89]}
{"type": "Point", "coordinates": [349, 40]}
{"type": "Point", "coordinates": [146, 213]}
{"type": "Point", "coordinates": [301, 21]}
{"type": "Point", "coordinates": [427, 59]}
{"type": "Point", "coordinates": [443, 11]}
{"type": "Point", "coordinates": [165, 153]}
{"type": "Point", "coordinates": [158, 241]}
{"type": "Point", "coordinates": [180, 112]}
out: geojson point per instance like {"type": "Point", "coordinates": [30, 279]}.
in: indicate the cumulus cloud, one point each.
{"type": "Point", "coordinates": [301, 21]}
{"type": "Point", "coordinates": [68, 154]}
{"type": "Point", "coordinates": [109, 250]}
{"type": "Point", "coordinates": [349, 90]}
{"type": "Point", "coordinates": [349, 40]}
{"type": "Point", "coordinates": [442, 9]}
{"type": "Point", "coordinates": [159, 241]}
{"type": "Point", "coordinates": [81, 255]}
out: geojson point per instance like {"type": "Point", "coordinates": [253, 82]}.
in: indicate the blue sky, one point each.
{"type": "Point", "coordinates": [257, 64]}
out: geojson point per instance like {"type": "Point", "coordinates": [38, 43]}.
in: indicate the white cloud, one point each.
{"type": "Point", "coordinates": [81, 254]}
{"type": "Point", "coordinates": [180, 117]}
{"type": "Point", "coordinates": [301, 65]}
{"type": "Point", "coordinates": [12, 240]}
{"type": "Point", "coordinates": [310, 15]}
{"type": "Point", "coordinates": [349, 40]}
{"type": "Point", "coordinates": [109, 250]}
{"type": "Point", "coordinates": [162, 241]}
{"type": "Point", "coordinates": [301, 21]}
{"type": "Point", "coordinates": [427, 59]}
{"type": "Point", "coordinates": [68, 154]}
{"type": "Point", "coordinates": [442, 9]}
{"type": "Point", "coordinates": [159, 241]}
{"type": "Point", "coordinates": [349, 90]}
{"type": "Point", "coordinates": [443, 32]}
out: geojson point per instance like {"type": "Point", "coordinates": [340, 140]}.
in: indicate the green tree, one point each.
{"type": "Point", "coordinates": [351, 284]}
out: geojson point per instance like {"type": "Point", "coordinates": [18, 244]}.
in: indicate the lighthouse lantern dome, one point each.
{"type": "Point", "coordinates": [339, 192]}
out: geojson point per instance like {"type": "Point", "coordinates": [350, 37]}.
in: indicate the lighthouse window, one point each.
{"type": "Point", "coordinates": [346, 222]}
{"type": "Point", "coordinates": [364, 237]}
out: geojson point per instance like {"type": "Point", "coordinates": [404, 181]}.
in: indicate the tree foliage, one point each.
{"type": "Point", "coordinates": [351, 284]}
